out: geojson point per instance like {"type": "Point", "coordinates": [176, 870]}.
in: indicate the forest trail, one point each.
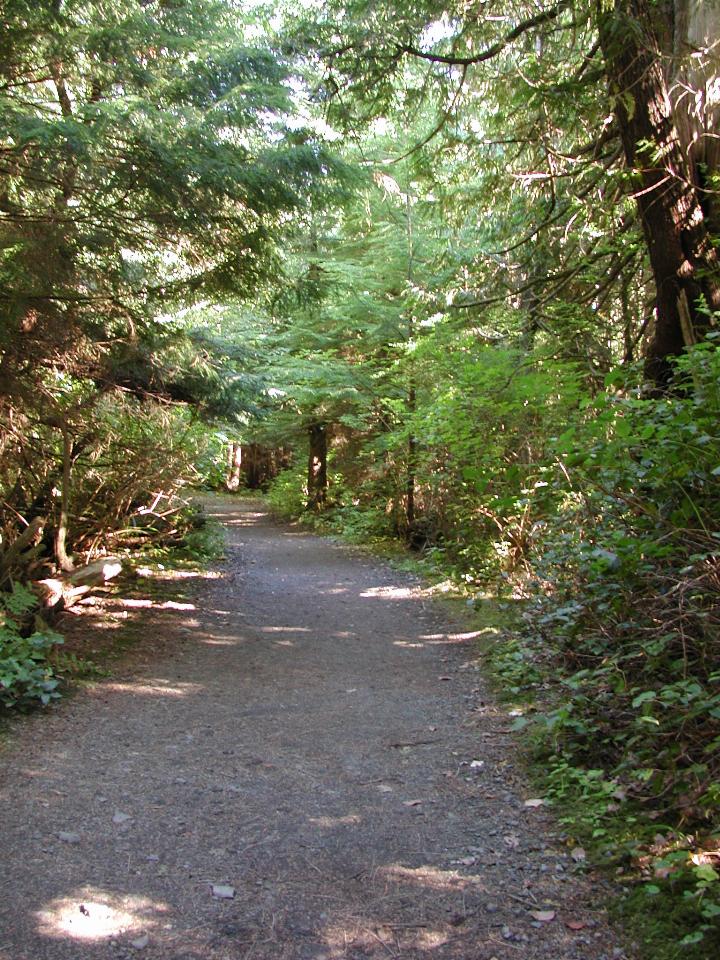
{"type": "Point", "coordinates": [316, 737]}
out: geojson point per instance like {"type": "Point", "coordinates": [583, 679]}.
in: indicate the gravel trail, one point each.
{"type": "Point", "coordinates": [306, 767]}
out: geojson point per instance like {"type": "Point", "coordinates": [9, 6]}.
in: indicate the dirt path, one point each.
{"type": "Point", "coordinates": [315, 738]}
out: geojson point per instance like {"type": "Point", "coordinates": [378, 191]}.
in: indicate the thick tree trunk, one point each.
{"type": "Point", "coordinates": [317, 466]}
{"type": "Point", "coordinates": [695, 94]}
{"type": "Point", "coordinates": [670, 200]}
{"type": "Point", "coordinates": [529, 304]}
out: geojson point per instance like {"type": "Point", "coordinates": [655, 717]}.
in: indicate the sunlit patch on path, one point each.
{"type": "Point", "coordinates": [91, 914]}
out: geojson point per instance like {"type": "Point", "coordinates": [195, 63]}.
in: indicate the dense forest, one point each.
{"type": "Point", "coordinates": [444, 273]}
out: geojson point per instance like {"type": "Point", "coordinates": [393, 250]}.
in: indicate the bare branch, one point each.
{"type": "Point", "coordinates": [547, 16]}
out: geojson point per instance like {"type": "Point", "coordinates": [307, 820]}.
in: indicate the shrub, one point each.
{"type": "Point", "coordinates": [26, 677]}
{"type": "Point", "coordinates": [287, 494]}
{"type": "Point", "coordinates": [630, 566]}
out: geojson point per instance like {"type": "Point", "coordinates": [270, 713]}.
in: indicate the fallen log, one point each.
{"type": "Point", "coordinates": [62, 593]}
{"type": "Point", "coordinates": [97, 573]}
{"type": "Point", "coordinates": [56, 595]}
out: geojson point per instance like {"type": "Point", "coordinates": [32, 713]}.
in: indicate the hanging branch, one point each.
{"type": "Point", "coordinates": [547, 16]}
{"type": "Point", "coordinates": [439, 126]}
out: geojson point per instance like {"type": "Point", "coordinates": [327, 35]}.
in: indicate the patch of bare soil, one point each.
{"type": "Point", "coordinates": [303, 765]}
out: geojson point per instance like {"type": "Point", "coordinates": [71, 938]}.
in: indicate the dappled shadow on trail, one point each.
{"type": "Point", "coordinates": [299, 761]}
{"type": "Point", "coordinates": [90, 918]}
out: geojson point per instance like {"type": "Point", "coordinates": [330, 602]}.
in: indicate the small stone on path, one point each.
{"type": "Point", "coordinates": [223, 891]}
{"type": "Point", "coordinates": [68, 837]}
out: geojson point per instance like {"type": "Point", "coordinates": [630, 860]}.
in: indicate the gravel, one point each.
{"type": "Point", "coordinates": [283, 772]}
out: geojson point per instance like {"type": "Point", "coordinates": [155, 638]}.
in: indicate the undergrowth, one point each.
{"type": "Point", "coordinates": [26, 676]}
{"type": "Point", "coordinates": [35, 671]}
{"type": "Point", "coordinates": [614, 665]}
{"type": "Point", "coordinates": [620, 650]}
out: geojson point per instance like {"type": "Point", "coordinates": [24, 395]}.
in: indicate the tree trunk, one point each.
{"type": "Point", "coordinates": [411, 476]}
{"type": "Point", "coordinates": [670, 200]}
{"type": "Point", "coordinates": [61, 555]}
{"type": "Point", "coordinates": [695, 95]}
{"type": "Point", "coordinates": [411, 465]}
{"type": "Point", "coordinates": [529, 300]}
{"type": "Point", "coordinates": [317, 466]}
{"type": "Point", "coordinates": [232, 481]}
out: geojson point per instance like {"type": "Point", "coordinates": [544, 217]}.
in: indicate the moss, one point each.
{"type": "Point", "coordinates": [658, 923]}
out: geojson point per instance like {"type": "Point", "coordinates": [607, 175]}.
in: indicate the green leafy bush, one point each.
{"type": "Point", "coordinates": [359, 525]}
{"type": "Point", "coordinates": [627, 614]}
{"type": "Point", "coordinates": [26, 677]}
{"type": "Point", "coordinates": [287, 494]}
{"type": "Point", "coordinates": [630, 566]}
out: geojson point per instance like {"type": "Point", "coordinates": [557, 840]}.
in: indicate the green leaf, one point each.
{"type": "Point", "coordinates": [692, 938]}
{"type": "Point", "coordinates": [645, 697]}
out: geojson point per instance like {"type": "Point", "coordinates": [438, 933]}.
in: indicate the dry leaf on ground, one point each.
{"type": "Point", "coordinates": [543, 916]}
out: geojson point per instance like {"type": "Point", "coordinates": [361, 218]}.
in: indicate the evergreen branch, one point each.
{"type": "Point", "coordinates": [439, 126]}
{"type": "Point", "coordinates": [555, 217]}
{"type": "Point", "coordinates": [547, 16]}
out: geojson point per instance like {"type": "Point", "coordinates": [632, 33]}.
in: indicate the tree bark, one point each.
{"type": "Point", "coordinates": [695, 94]}
{"type": "Point", "coordinates": [411, 476]}
{"type": "Point", "coordinates": [634, 39]}
{"type": "Point", "coordinates": [317, 466]}
{"type": "Point", "coordinates": [411, 465]}
{"type": "Point", "coordinates": [232, 481]}
{"type": "Point", "coordinates": [61, 555]}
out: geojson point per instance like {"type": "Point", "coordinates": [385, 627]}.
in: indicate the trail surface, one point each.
{"type": "Point", "coordinates": [307, 767]}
